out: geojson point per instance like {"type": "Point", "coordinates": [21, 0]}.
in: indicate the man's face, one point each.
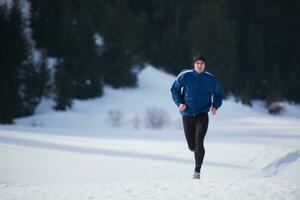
{"type": "Point", "coordinates": [199, 66]}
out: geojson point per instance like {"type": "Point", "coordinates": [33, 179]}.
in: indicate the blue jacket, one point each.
{"type": "Point", "coordinates": [198, 91]}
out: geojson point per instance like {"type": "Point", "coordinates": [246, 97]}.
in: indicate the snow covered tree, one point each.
{"type": "Point", "coordinates": [119, 31]}
{"type": "Point", "coordinates": [79, 72]}
{"type": "Point", "coordinates": [22, 80]}
{"type": "Point", "coordinates": [12, 53]}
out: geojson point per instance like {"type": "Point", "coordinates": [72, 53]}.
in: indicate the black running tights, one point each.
{"type": "Point", "coordinates": [195, 128]}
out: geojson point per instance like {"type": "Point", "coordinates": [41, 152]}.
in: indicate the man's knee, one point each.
{"type": "Point", "coordinates": [192, 148]}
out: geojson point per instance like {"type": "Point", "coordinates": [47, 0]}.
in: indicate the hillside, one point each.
{"type": "Point", "coordinates": [82, 154]}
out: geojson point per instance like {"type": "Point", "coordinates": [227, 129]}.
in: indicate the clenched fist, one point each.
{"type": "Point", "coordinates": [182, 107]}
{"type": "Point", "coordinates": [213, 110]}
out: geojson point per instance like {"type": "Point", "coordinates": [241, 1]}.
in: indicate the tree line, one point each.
{"type": "Point", "coordinates": [252, 47]}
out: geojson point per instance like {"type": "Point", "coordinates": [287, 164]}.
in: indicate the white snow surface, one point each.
{"type": "Point", "coordinates": [82, 154]}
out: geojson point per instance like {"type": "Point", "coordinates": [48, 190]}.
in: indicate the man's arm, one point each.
{"type": "Point", "coordinates": [217, 96]}
{"type": "Point", "coordinates": [176, 92]}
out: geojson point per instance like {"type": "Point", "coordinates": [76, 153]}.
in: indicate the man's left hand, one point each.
{"type": "Point", "coordinates": [213, 110]}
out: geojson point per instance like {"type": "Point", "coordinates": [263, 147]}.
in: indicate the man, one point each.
{"type": "Point", "coordinates": [195, 92]}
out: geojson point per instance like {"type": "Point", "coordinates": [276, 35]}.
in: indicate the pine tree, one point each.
{"type": "Point", "coordinates": [271, 21]}
{"type": "Point", "coordinates": [13, 53]}
{"type": "Point", "coordinates": [62, 87]}
{"type": "Point", "coordinates": [80, 55]}
{"type": "Point", "coordinates": [66, 31]}
{"type": "Point", "coordinates": [22, 80]}
{"type": "Point", "coordinates": [120, 45]}
{"type": "Point", "coordinates": [47, 19]}
{"type": "Point", "coordinates": [33, 77]}
{"type": "Point", "coordinates": [265, 49]}
{"type": "Point", "coordinates": [170, 50]}
{"type": "Point", "coordinates": [291, 66]}
{"type": "Point", "coordinates": [51, 33]}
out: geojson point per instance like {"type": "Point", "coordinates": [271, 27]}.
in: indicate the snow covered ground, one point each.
{"type": "Point", "coordinates": [102, 149]}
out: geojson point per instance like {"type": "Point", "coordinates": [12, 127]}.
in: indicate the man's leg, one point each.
{"type": "Point", "coordinates": [201, 129]}
{"type": "Point", "coordinates": [189, 127]}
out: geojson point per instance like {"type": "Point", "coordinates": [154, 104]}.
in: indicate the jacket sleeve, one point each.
{"type": "Point", "coordinates": [176, 92]}
{"type": "Point", "coordinates": [217, 94]}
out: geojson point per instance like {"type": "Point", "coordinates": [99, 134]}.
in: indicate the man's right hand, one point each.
{"type": "Point", "coordinates": [182, 107]}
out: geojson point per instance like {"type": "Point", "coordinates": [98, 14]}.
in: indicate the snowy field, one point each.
{"type": "Point", "coordinates": [103, 148]}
